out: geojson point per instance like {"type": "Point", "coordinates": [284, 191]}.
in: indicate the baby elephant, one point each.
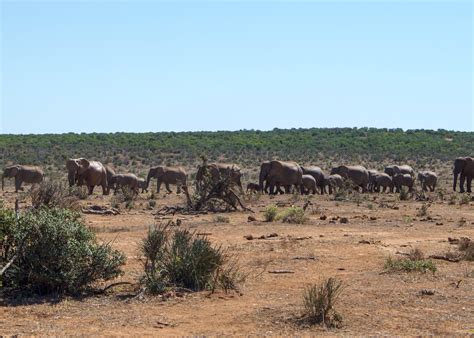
{"type": "Point", "coordinates": [309, 185]}
{"type": "Point", "coordinates": [428, 179]}
{"type": "Point", "coordinates": [253, 188]}
{"type": "Point", "coordinates": [383, 180]}
{"type": "Point", "coordinates": [142, 184]}
{"type": "Point", "coordinates": [124, 180]}
{"type": "Point", "coordinates": [403, 180]}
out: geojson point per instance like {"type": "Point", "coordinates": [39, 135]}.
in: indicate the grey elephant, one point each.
{"type": "Point", "coordinates": [384, 181]}
{"type": "Point", "coordinates": [428, 180]}
{"type": "Point", "coordinates": [23, 174]}
{"type": "Point", "coordinates": [280, 173]}
{"type": "Point", "coordinates": [318, 175]}
{"type": "Point", "coordinates": [266, 183]}
{"type": "Point", "coordinates": [309, 185]}
{"type": "Point", "coordinates": [218, 171]}
{"type": "Point", "coordinates": [372, 176]}
{"type": "Point", "coordinates": [392, 170]}
{"type": "Point", "coordinates": [333, 182]}
{"type": "Point", "coordinates": [403, 180]}
{"type": "Point", "coordinates": [90, 173]}
{"type": "Point", "coordinates": [142, 185]}
{"type": "Point", "coordinates": [120, 181]}
{"type": "Point", "coordinates": [167, 175]}
{"type": "Point", "coordinates": [464, 168]}
{"type": "Point", "coordinates": [357, 174]}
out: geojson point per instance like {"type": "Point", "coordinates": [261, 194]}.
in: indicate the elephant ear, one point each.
{"type": "Point", "coordinates": [14, 170]}
{"type": "Point", "coordinates": [84, 163]}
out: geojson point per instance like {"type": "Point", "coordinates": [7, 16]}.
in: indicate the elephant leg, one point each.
{"type": "Point", "coordinates": [91, 189]}
{"type": "Point", "coordinates": [461, 182]}
{"type": "Point", "coordinates": [158, 186]}
{"type": "Point", "coordinates": [178, 189]}
{"type": "Point", "coordinates": [469, 184]}
{"type": "Point", "coordinates": [17, 184]}
{"type": "Point", "coordinates": [167, 186]}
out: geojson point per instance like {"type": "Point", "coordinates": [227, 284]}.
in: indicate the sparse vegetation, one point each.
{"type": "Point", "coordinates": [54, 194]}
{"type": "Point", "coordinates": [423, 212]}
{"type": "Point", "coordinates": [179, 258]}
{"type": "Point", "coordinates": [466, 246]}
{"type": "Point", "coordinates": [414, 262]}
{"type": "Point", "coordinates": [404, 194]}
{"type": "Point", "coordinates": [270, 213]}
{"type": "Point", "coordinates": [221, 219]}
{"type": "Point", "coordinates": [293, 215]}
{"type": "Point", "coordinates": [319, 302]}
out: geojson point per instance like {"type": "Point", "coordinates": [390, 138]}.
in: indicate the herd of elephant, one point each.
{"type": "Point", "coordinates": [274, 175]}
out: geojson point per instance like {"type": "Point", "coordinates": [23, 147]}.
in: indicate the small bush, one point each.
{"type": "Point", "coordinates": [319, 301]}
{"type": "Point", "coordinates": [270, 213]}
{"type": "Point", "coordinates": [467, 247]}
{"type": "Point", "coordinates": [293, 215]}
{"type": "Point", "coordinates": [56, 253]}
{"type": "Point", "coordinates": [452, 200]}
{"type": "Point", "coordinates": [465, 199]}
{"type": "Point", "coordinates": [221, 219]}
{"type": "Point", "coordinates": [408, 265]}
{"type": "Point", "coordinates": [151, 204]}
{"type": "Point", "coordinates": [423, 210]}
{"type": "Point", "coordinates": [404, 194]}
{"type": "Point", "coordinates": [180, 258]}
{"type": "Point", "coordinates": [54, 194]}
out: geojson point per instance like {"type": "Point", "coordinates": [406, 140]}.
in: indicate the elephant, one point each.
{"type": "Point", "coordinates": [90, 173]}
{"type": "Point", "coordinates": [309, 185]}
{"type": "Point", "coordinates": [280, 173]}
{"type": "Point", "coordinates": [400, 180]}
{"type": "Point", "coordinates": [23, 173]}
{"type": "Point", "coordinates": [265, 166]}
{"type": "Point", "coordinates": [357, 174]}
{"type": "Point", "coordinates": [399, 169]}
{"type": "Point", "coordinates": [383, 180]}
{"type": "Point", "coordinates": [219, 171]}
{"type": "Point", "coordinates": [124, 180]}
{"type": "Point", "coordinates": [253, 188]}
{"type": "Point", "coordinates": [372, 177]}
{"type": "Point", "coordinates": [428, 180]}
{"type": "Point", "coordinates": [167, 175]}
{"type": "Point", "coordinates": [318, 175]}
{"type": "Point", "coordinates": [332, 182]}
{"type": "Point", "coordinates": [463, 167]}
{"type": "Point", "coordinates": [142, 185]}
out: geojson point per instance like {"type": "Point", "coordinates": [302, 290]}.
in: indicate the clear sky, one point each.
{"type": "Point", "coordinates": [105, 66]}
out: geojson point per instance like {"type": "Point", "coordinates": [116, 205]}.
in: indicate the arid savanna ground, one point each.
{"type": "Point", "coordinates": [373, 301]}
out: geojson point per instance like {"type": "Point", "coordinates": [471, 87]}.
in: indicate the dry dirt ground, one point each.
{"type": "Point", "coordinates": [373, 302]}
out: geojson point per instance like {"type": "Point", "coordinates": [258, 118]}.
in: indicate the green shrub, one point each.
{"type": "Point", "coordinates": [221, 219]}
{"type": "Point", "coordinates": [270, 213]}
{"type": "Point", "coordinates": [319, 301]}
{"type": "Point", "coordinates": [293, 215]}
{"type": "Point", "coordinates": [404, 194]}
{"type": "Point", "coordinates": [180, 258]}
{"type": "Point", "coordinates": [56, 253]}
{"type": "Point", "coordinates": [408, 265]}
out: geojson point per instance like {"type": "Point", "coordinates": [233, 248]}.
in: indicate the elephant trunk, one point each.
{"type": "Point", "coordinates": [71, 178]}
{"type": "Point", "coordinates": [455, 180]}
{"type": "Point", "coordinates": [148, 178]}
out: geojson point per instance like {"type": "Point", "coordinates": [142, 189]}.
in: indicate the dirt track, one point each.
{"type": "Point", "coordinates": [373, 302]}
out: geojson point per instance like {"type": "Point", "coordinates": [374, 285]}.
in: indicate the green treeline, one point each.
{"type": "Point", "coordinates": [245, 147]}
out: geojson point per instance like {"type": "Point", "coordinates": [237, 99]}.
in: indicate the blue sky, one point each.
{"type": "Point", "coordinates": [105, 66]}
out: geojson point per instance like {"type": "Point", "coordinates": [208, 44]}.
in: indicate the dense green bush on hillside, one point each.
{"type": "Point", "coordinates": [245, 147]}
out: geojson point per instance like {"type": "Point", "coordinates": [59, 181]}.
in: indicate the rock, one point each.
{"type": "Point", "coordinates": [251, 219]}
{"type": "Point", "coordinates": [364, 241]}
{"type": "Point", "coordinates": [248, 237]}
{"type": "Point", "coordinates": [323, 217]}
{"type": "Point", "coordinates": [344, 220]}
{"type": "Point", "coordinates": [373, 218]}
